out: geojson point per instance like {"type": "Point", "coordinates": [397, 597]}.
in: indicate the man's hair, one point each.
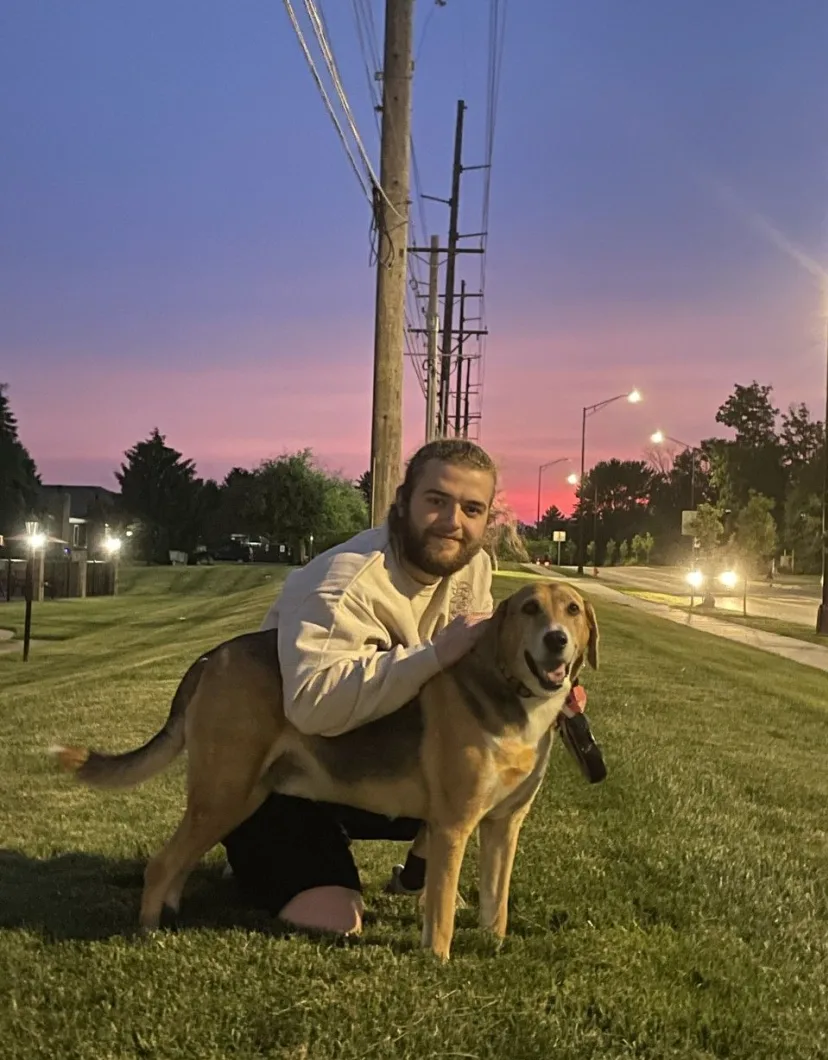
{"type": "Point", "coordinates": [457, 451]}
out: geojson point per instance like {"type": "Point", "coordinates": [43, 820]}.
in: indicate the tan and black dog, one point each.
{"type": "Point", "coordinates": [469, 752]}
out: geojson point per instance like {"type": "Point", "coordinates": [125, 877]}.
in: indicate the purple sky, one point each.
{"type": "Point", "coordinates": [184, 246]}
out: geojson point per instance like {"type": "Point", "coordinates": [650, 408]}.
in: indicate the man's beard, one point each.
{"type": "Point", "coordinates": [425, 550]}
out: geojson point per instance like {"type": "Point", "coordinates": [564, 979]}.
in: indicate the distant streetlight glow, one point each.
{"type": "Point", "coordinates": [36, 540]}
{"type": "Point", "coordinates": [729, 579]}
{"type": "Point", "coordinates": [633, 397]}
{"type": "Point", "coordinates": [659, 438]}
{"type": "Point", "coordinates": [695, 578]}
{"type": "Point", "coordinates": [572, 479]}
{"type": "Point", "coordinates": [112, 545]}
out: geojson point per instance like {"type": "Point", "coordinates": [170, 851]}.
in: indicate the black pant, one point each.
{"type": "Point", "coordinates": [290, 845]}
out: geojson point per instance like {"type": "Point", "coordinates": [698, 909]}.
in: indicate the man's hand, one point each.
{"type": "Point", "coordinates": [458, 638]}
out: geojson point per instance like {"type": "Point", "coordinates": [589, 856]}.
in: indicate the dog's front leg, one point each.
{"type": "Point", "coordinates": [498, 845]}
{"type": "Point", "coordinates": [446, 847]}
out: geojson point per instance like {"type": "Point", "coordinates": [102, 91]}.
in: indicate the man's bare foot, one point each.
{"type": "Point", "coordinates": [335, 909]}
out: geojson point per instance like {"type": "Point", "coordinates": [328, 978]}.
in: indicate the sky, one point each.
{"type": "Point", "coordinates": [184, 245]}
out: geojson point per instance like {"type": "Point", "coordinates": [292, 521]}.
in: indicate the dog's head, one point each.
{"type": "Point", "coordinates": [542, 634]}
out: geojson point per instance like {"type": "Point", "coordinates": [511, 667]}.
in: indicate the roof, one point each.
{"type": "Point", "coordinates": [81, 498]}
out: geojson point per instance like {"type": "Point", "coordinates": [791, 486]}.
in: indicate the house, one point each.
{"type": "Point", "coordinates": [78, 514]}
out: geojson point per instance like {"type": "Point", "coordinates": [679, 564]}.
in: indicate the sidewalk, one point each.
{"type": "Point", "coordinates": [799, 651]}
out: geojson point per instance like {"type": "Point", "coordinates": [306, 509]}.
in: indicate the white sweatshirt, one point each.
{"type": "Point", "coordinates": [355, 631]}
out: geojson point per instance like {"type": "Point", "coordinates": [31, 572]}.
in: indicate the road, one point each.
{"type": "Point", "coordinates": [789, 600]}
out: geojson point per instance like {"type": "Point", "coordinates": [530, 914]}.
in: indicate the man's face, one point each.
{"type": "Point", "coordinates": [446, 519]}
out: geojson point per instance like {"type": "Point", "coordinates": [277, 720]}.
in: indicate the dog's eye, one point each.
{"type": "Point", "coordinates": [531, 607]}
{"type": "Point", "coordinates": [573, 608]}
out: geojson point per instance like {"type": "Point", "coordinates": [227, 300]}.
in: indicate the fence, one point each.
{"type": "Point", "coordinates": [62, 579]}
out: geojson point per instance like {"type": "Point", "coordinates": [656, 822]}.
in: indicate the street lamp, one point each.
{"type": "Point", "coordinates": [633, 396]}
{"type": "Point", "coordinates": [659, 438]}
{"type": "Point", "coordinates": [112, 545]}
{"type": "Point", "coordinates": [541, 469]}
{"type": "Point", "coordinates": [35, 540]}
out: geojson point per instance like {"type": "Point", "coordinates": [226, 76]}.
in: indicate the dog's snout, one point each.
{"type": "Point", "coordinates": [555, 639]}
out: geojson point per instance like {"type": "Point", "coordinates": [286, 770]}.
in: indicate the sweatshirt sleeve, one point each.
{"type": "Point", "coordinates": [339, 669]}
{"type": "Point", "coordinates": [484, 601]}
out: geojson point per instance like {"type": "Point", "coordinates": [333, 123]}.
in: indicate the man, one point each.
{"type": "Point", "coordinates": [361, 629]}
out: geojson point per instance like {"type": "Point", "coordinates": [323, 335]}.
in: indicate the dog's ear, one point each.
{"type": "Point", "coordinates": [592, 647]}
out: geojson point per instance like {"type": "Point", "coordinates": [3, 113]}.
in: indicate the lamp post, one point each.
{"type": "Point", "coordinates": [822, 610]}
{"type": "Point", "coordinates": [633, 397]}
{"type": "Point", "coordinates": [659, 437]}
{"type": "Point", "coordinates": [541, 469]}
{"type": "Point", "coordinates": [35, 540]}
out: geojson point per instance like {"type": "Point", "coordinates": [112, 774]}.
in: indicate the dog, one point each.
{"type": "Point", "coordinates": [470, 752]}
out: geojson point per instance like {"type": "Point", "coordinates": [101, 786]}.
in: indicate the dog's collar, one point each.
{"type": "Point", "coordinates": [516, 685]}
{"type": "Point", "coordinates": [575, 701]}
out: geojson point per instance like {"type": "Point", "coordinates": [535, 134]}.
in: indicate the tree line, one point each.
{"type": "Point", "coordinates": [759, 491]}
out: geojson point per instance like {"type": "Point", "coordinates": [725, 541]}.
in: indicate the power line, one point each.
{"type": "Point", "coordinates": [496, 43]}
{"type": "Point", "coordinates": [325, 97]}
{"type": "Point", "coordinates": [330, 62]}
{"type": "Point", "coordinates": [369, 49]}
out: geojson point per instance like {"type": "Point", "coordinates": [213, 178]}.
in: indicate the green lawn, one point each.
{"type": "Point", "coordinates": [677, 910]}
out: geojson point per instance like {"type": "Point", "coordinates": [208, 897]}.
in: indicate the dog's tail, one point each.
{"type": "Point", "coordinates": [134, 767]}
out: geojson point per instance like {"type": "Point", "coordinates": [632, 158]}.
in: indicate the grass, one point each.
{"type": "Point", "coordinates": [677, 910]}
{"type": "Point", "coordinates": [767, 625]}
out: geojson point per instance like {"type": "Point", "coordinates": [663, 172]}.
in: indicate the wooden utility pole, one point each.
{"type": "Point", "coordinates": [453, 236]}
{"type": "Point", "coordinates": [461, 335]}
{"type": "Point", "coordinates": [391, 216]}
{"type": "Point", "coordinates": [432, 326]}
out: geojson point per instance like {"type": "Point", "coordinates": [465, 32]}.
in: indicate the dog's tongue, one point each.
{"type": "Point", "coordinates": [557, 675]}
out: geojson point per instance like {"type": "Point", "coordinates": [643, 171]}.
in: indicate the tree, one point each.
{"type": "Point", "coordinates": [19, 480]}
{"type": "Point", "coordinates": [552, 519]}
{"type": "Point", "coordinates": [623, 552]}
{"type": "Point", "coordinates": [801, 437]}
{"type": "Point", "coordinates": [803, 531]}
{"type": "Point", "coordinates": [802, 523]}
{"type": "Point", "coordinates": [756, 531]}
{"type": "Point", "coordinates": [8, 420]}
{"type": "Point", "coordinates": [641, 547]}
{"type": "Point", "coordinates": [622, 488]}
{"type": "Point", "coordinates": [570, 549]}
{"type": "Point", "coordinates": [160, 490]}
{"type": "Point", "coordinates": [707, 528]}
{"type": "Point", "coordinates": [750, 413]}
{"type": "Point", "coordinates": [502, 540]}
{"type": "Point", "coordinates": [363, 484]}
{"type": "Point", "coordinates": [610, 551]}
{"type": "Point", "coordinates": [237, 510]}
{"type": "Point", "coordinates": [591, 552]}
{"type": "Point", "coordinates": [754, 460]}
{"type": "Point", "coordinates": [344, 512]}
{"type": "Point", "coordinates": [293, 499]}
{"type": "Point", "coordinates": [291, 495]}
